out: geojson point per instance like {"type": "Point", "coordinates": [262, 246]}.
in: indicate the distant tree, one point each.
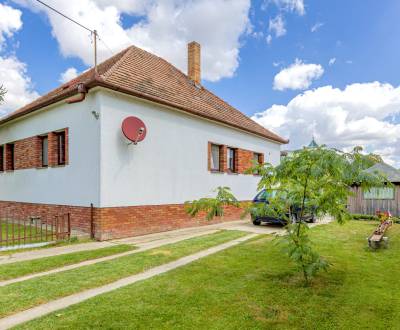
{"type": "Point", "coordinates": [3, 92]}
{"type": "Point", "coordinates": [310, 180]}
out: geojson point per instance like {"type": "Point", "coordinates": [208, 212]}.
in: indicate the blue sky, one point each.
{"type": "Point", "coordinates": [353, 100]}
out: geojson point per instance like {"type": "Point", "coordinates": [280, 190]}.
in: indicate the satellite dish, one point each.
{"type": "Point", "coordinates": [134, 129]}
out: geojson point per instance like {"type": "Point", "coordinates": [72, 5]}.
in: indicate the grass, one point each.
{"type": "Point", "coordinates": [8, 231]}
{"type": "Point", "coordinates": [23, 268]}
{"type": "Point", "coordinates": [23, 295]}
{"type": "Point", "coordinates": [255, 286]}
{"type": "Point", "coordinates": [72, 240]}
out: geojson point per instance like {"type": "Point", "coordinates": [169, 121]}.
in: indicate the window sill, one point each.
{"type": "Point", "coordinates": [216, 172]}
{"type": "Point", "coordinates": [55, 166]}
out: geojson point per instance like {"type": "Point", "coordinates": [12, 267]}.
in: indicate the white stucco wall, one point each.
{"type": "Point", "coordinates": [75, 184]}
{"type": "Point", "coordinates": [170, 165]}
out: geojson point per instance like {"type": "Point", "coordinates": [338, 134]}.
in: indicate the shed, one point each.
{"type": "Point", "coordinates": [378, 199]}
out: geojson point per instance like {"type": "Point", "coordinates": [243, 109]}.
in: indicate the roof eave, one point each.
{"type": "Point", "coordinates": [98, 81]}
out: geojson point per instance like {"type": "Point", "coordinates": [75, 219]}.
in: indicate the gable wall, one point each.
{"type": "Point", "coordinates": [171, 165]}
{"type": "Point", "coordinates": [74, 184]}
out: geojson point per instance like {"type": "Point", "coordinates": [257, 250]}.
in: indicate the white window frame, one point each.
{"type": "Point", "coordinates": [379, 193]}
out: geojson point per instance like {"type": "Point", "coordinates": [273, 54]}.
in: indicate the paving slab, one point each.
{"type": "Point", "coordinates": [52, 251]}
{"type": "Point", "coordinates": [39, 311]}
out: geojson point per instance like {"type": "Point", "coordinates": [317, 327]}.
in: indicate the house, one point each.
{"type": "Point", "coordinates": [65, 152]}
{"type": "Point", "coordinates": [312, 144]}
{"type": "Point", "coordinates": [378, 199]}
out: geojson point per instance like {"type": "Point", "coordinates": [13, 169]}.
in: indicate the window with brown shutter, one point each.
{"type": "Point", "coordinates": [215, 158]}
{"type": "Point", "coordinates": [231, 159]}
{"type": "Point", "coordinates": [10, 157]}
{"type": "Point", "coordinates": [44, 142]}
{"type": "Point", "coordinates": [258, 158]}
{"type": "Point", "coordinates": [61, 148]}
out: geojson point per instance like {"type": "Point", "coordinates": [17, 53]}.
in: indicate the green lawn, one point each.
{"type": "Point", "coordinates": [255, 286]}
{"type": "Point", "coordinates": [22, 295]}
{"type": "Point", "coordinates": [23, 268]}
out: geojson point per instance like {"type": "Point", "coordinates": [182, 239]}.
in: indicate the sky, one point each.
{"type": "Point", "coordinates": [301, 68]}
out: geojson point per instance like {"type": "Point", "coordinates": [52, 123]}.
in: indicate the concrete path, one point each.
{"type": "Point", "coordinates": [143, 247]}
{"type": "Point", "coordinates": [138, 241]}
{"type": "Point", "coordinates": [242, 225]}
{"type": "Point", "coordinates": [39, 311]}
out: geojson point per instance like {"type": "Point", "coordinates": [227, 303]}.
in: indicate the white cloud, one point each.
{"type": "Point", "coordinates": [298, 75]}
{"type": "Point", "coordinates": [268, 39]}
{"type": "Point", "coordinates": [316, 26]}
{"type": "Point", "coordinates": [166, 28]}
{"type": "Point", "coordinates": [277, 26]}
{"type": "Point", "coordinates": [19, 87]}
{"type": "Point", "coordinates": [13, 73]}
{"type": "Point", "coordinates": [10, 22]}
{"type": "Point", "coordinates": [332, 61]}
{"type": "Point", "coordinates": [356, 115]}
{"type": "Point", "coordinates": [291, 5]}
{"type": "Point", "coordinates": [68, 75]}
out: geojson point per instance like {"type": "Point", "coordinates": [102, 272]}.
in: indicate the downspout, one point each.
{"type": "Point", "coordinates": [82, 91]}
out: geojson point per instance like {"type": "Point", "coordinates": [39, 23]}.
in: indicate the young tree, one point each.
{"type": "Point", "coordinates": [308, 181]}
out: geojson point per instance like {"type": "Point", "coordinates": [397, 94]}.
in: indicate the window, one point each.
{"type": "Point", "coordinates": [231, 159]}
{"type": "Point", "coordinates": [61, 148]}
{"type": "Point", "coordinates": [1, 158]}
{"type": "Point", "coordinates": [10, 157]}
{"type": "Point", "coordinates": [258, 158]}
{"type": "Point", "coordinates": [45, 151]}
{"type": "Point", "coordinates": [215, 164]}
{"type": "Point", "coordinates": [379, 193]}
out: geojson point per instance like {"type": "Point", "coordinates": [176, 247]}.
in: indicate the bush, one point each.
{"type": "Point", "coordinates": [369, 217]}
{"type": "Point", "coordinates": [365, 217]}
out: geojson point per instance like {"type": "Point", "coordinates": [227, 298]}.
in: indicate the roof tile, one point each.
{"type": "Point", "coordinates": [140, 73]}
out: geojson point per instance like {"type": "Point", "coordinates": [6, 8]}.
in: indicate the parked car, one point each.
{"type": "Point", "coordinates": [263, 196]}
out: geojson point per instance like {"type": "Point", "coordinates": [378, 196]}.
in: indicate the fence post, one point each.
{"type": "Point", "coordinates": [92, 221]}
{"type": "Point", "coordinates": [69, 224]}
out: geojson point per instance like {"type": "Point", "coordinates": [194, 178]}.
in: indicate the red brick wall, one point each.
{"type": "Point", "coordinates": [117, 222]}
{"type": "Point", "coordinates": [243, 158]}
{"type": "Point", "coordinates": [139, 220]}
{"type": "Point", "coordinates": [80, 216]}
{"type": "Point", "coordinates": [28, 152]}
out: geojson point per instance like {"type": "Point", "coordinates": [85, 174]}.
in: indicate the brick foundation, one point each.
{"type": "Point", "coordinates": [118, 222]}
{"type": "Point", "coordinates": [80, 216]}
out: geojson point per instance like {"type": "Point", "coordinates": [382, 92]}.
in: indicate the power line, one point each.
{"type": "Point", "coordinates": [69, 18]}
{"type": "Point", "coordinates": [109, 49]}
{"type": "Point", "coordinates": [93, 32]}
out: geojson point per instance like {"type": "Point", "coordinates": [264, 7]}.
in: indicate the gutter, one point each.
{"type": "Point", "coordinates": [82, 91]}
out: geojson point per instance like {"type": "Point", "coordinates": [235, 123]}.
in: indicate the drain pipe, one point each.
{"type": "Point", "coordinates": [82, 91]}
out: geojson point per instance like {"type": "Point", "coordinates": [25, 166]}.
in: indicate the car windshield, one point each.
{"type": "Point", "coordinates": [265, 195]}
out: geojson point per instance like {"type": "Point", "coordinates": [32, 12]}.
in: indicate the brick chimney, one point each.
{"type": "Point", "coordinates": [194, 62]}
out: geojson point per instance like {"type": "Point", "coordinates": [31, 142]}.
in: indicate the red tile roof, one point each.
{"type": "Point", "coordinates": [139, 73]}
